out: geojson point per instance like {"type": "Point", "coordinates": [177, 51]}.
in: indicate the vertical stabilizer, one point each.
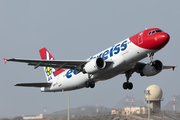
{"type": "Point", "coordinates": [50, 72]}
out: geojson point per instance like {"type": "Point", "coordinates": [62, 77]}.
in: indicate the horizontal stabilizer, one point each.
{"type": "Point", "coordinates": [34, 84]}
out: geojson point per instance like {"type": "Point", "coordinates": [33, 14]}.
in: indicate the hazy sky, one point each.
{"type": "Point", "coordinates": [75, 30]}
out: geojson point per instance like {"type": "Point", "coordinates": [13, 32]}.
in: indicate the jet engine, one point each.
{"type": "Point", "coordinates": [94, 65]}
{"type": "Point", "coordinates": [152, 68]}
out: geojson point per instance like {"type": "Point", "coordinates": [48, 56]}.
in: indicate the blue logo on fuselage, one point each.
{"type": "Point", "coordinates": [107, 53]}
{"type": "Point", "coordinates": [112, 51]}
{"type": "Point", "coordinates": [69, 73]}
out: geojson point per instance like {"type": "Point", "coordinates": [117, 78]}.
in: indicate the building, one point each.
{"type": "Point", "coordinates": [117, 112]}
{"type": "Point", "coordinates": [33, 117]}
{"type": "Point", "coordinates": [131, 110]}
{"type": "Point", "coordinates": [135, 110]}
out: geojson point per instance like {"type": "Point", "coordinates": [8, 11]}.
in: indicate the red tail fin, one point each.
{"type": "Point", "coordinates": [50, 72]}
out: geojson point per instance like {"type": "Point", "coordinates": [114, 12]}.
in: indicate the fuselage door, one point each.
{"type": "Point", "coordinates": [140, 38]}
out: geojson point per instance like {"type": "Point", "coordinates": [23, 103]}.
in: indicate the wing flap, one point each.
{"type": "Point", "coordinates": [34, 84]}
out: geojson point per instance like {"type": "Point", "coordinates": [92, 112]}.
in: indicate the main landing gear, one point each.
{"type": "Point", "coordinates": [128, 85]}
{"type": "Point", "coordinates": [89, 83]}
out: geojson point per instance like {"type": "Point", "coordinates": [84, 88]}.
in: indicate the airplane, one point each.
{"type": "Point", "coordinates": [121, 58]}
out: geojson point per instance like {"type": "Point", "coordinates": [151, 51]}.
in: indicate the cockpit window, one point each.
{"type": "Point", "coordinates": [154, 31]}
{"type": "Point", "coordinates": [159, 31]}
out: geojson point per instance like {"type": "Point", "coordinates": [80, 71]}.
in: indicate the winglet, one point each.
{"type": "Point", "coordinates": [173, 68]}
{"type": "Point", "coordinates": [5, 60]}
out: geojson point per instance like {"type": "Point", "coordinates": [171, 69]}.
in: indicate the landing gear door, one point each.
{"type": "Point", "coordinates": [140, 38]}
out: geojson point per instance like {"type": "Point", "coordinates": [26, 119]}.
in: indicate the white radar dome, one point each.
{"type": "Point", "coordinates": [155, 92]}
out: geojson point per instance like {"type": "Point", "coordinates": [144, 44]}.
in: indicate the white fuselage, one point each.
{"type": "Point", "coordinates": [124, 56]}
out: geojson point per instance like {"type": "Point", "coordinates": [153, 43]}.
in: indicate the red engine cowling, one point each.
{"type": "Point", "coordinates": [153, 68]}
{"type": "Point", "coordinates": [94, 65]}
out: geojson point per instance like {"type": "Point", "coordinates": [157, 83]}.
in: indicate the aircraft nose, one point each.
{"type": "Point", "coordinates": [162, 40]}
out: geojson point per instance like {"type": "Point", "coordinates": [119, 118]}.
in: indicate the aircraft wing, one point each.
{"type": "Point", "coordinates": [34, 84]}
{"type": "Point", "coordinates": [67, 64]}
{"type": "Point", "coordinates": [140, 65]}
{"type": "Point", "coordinates": [169, 67]}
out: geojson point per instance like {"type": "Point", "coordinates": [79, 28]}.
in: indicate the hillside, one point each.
{"type": "Point", "coordinates": [122, 103]}
{"type": "Point", "coordinates": [92, 110]}
{"type": "Point", "coordinates": [115, 117]}
{"type": "Point", "coordinates": [82, 111]}
{"type": "Point", "coordinates": [169, 106]}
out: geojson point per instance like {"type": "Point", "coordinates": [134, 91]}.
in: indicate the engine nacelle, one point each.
{"type": "Point", "coordinates": [153, 68]}
{"type": "Point", "coordinates": [94, 65]}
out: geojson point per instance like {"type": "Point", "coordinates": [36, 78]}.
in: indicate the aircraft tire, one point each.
{"type": "Point", "coordinates": [92, 84]}
{"type": "Point", "coordinates": [130, 86]}
{"type": "Point", "coordinates": [87, 84]}
{"type": "Point", "coordinates": [125, 85]}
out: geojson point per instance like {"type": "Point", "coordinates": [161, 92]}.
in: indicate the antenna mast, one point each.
{"type": "Point", "coordinates": [127, 100]}
{"type": "Point", "coordinates": [132, 101]}
{"type": "Point", "coordinates": [174, 103]}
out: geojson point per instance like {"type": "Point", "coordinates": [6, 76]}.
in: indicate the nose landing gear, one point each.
{"type": "Point", "coordinates": [128, 85]}
{"type": "Point", "coordinates": [150, 55]}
